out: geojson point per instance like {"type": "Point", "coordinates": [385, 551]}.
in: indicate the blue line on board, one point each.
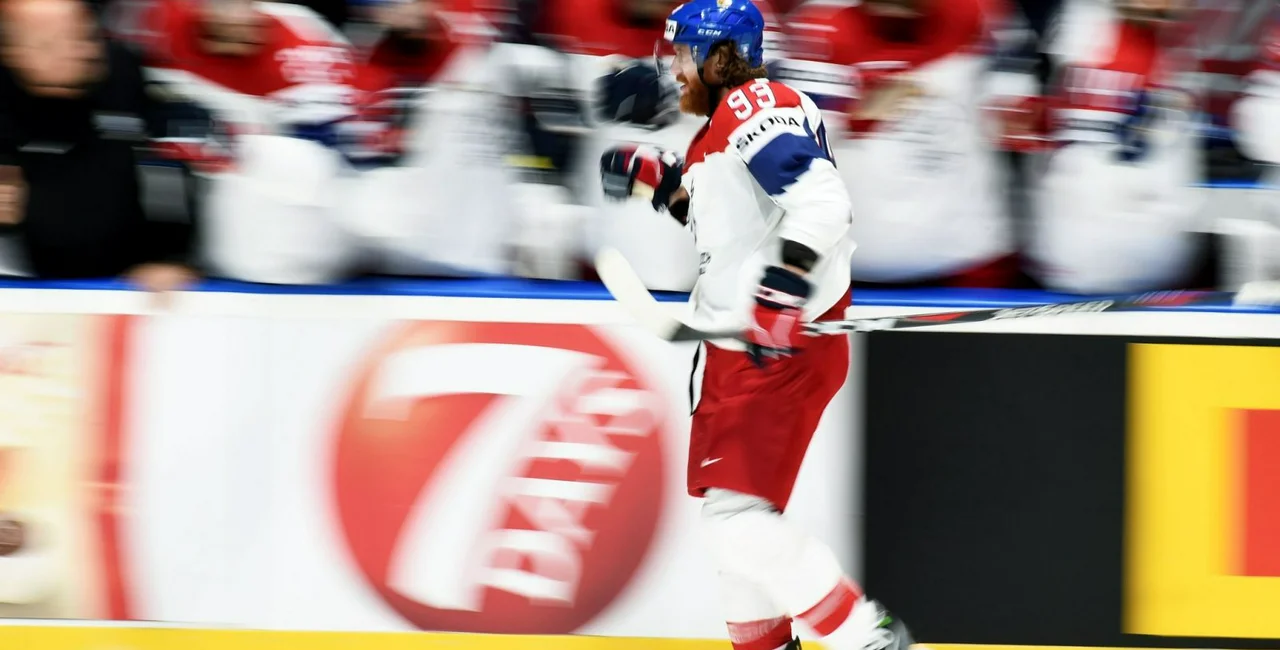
{"type": "Point", "coordinates": [516, 288]}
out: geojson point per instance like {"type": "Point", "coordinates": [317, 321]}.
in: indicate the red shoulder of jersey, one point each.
{"type": "Point", "coordinates": [823, 32]}
{"type": "Point", "coordinates": [738, 106]}
{"type": "Point", "coordinates": [1270, 59]}
{"type": "Point", "coordinates": [170, 31]}
{"type": "Point", "coordinates": [385, 67]}
{"type": "Point", "coordinates": [847, 34]}
{"type": "Point", "coordinates": [596, 28]}
{"type": "Point", "coordinates": [1112, 86]}
{"type": "Point", "coordinates": [298, 48]}
{"type": "Point", "coordinates": [953, 27]}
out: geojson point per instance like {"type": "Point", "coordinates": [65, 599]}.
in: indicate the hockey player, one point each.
{"type": "Point", "coordinates": [1115, 209]}
{"type": "Point", "coordinates": [908, 80]}
{"type": "Point", "coordinates": [770, 218]}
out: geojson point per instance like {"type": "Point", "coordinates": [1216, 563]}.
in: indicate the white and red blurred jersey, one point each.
{"type": "Point", "coordinates": [302, 76]}
{"type": "Point", "coordinates": [1228, 38]}
{"type": "Point", "coordinates": [925, 181]}
{"type": "Point", "coordinates": [455, 61]}
{"type": "Point", "coordinates": [759, 172]}
{"type": "Point", "coordinates": [1256, 118]}
{"type": "Point", "coordinates": [446, 204]}
{"type": "Point", "coordinates": [1116, 205]}
{"type": "Point", "coordinates": [276, 213]}
{"type": "Point", "coordinates": [1257, 114]}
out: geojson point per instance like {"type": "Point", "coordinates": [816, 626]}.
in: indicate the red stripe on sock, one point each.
{"type": "Point", "coordinates": [769, 634]}
{"type": "Point", "coordinates": [833, 610]}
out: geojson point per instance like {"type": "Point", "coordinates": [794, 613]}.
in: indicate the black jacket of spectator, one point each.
{"type": "Point", "coordinates": [79, 158]}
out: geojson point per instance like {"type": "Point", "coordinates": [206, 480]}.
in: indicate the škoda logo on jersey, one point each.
{"type": "Point", "coordinates": [499, 477]}
{"type": "Point", "coordinates": [763, 126]}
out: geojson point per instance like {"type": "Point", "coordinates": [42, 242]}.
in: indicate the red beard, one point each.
{"type": "Point", "coordinates": [695, 98]}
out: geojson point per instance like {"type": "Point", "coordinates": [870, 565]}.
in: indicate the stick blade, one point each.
{"type": "Point", "coordinates": [628, 289]}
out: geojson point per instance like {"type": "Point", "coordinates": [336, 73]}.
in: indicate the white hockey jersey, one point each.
{"type": "Point", "coordinates": [925, 180]}
{"type": "Point", "coordinates": [1116, 208]}
{"type": "Point", "coordinates": [760, 172]}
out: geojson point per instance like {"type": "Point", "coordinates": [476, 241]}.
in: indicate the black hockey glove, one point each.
{"type": "Point", "coordinates": [635, 93]}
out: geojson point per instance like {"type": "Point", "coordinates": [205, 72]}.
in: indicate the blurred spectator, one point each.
{"type": "Point", "coordinates": [279, 81]}
{"type": "Point", "coordinates": [1227, 35]}
{"type": "Point", "coordinates": [1257, 114]}
{"type": "Point", "coordinates": [1116, 208]}
{"type": "Point", "coordinates": [73, 109]}
{"type": "Point", "coordinates": [907, 80]}
{"type": "Point", "coordinates": [437, 148]}
{"type": "Point", "coordinates": [451, 204]}
{"type": "Point", "coordinates": [559, 51]}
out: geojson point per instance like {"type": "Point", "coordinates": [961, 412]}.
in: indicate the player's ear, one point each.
{"type": "Point", "coordinates": [714, 68]}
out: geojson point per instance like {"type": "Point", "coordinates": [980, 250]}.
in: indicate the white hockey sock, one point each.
{"type": "Point", "coordinates": [750, 539]}
{"type": "Point", "coordinates": [755, 622]}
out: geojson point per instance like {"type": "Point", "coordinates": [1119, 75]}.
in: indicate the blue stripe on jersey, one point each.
{"type": "Point", "coordinates": [780, 162]}
{"type": "Point", "coordinates": [821, 137]}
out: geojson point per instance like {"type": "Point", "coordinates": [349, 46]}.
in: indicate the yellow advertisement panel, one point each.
{"type": "Point", "coordinates": [1203, 462]}
{"type": "Point", "coordinates": [133, 638]}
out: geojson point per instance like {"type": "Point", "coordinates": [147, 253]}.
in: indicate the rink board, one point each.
{"type": "Point", "coordinates": [290, 374]}
{"type": "Point", "coordinates": [357, 463]}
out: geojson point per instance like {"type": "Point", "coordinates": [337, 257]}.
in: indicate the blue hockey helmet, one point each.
{"type": "Point", "coordinates": [703, 24]}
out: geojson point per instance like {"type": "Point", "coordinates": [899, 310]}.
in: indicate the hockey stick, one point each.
{"type": "Point", "coordinates": [627, 288]}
